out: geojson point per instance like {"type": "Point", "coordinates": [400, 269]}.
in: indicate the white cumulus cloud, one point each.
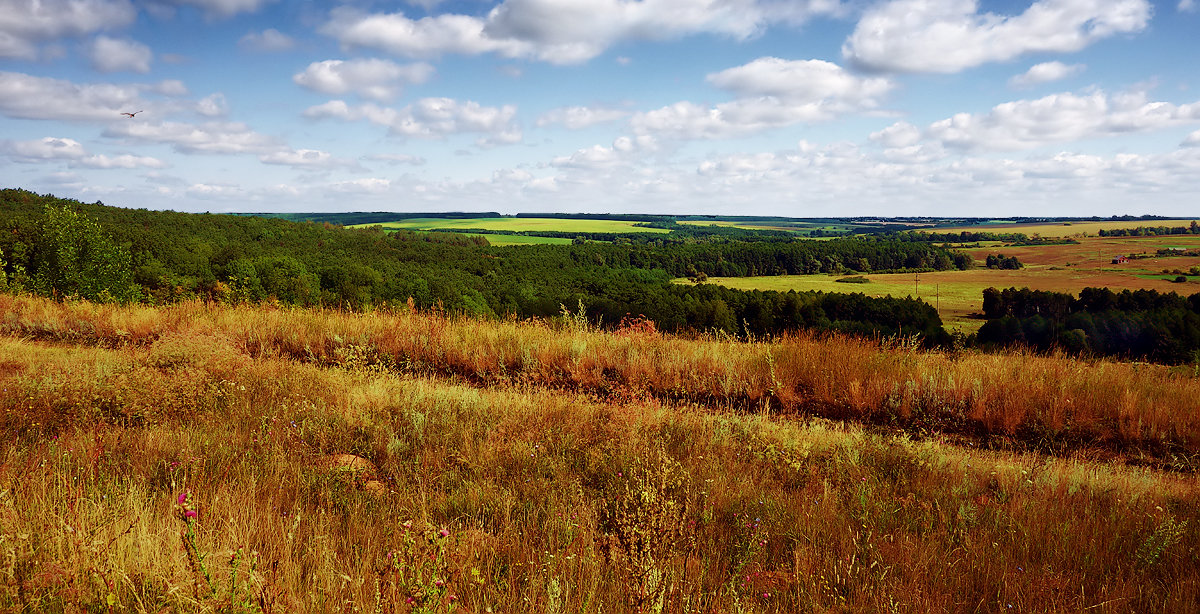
{"type": "Point", "coordinates": [29, 97]}
{"type": "Point", "coordinates": [397, 159]}
{"type": "Point", "coordinates": [1060, 118]}
{"type": "Point", "coordinates": [267, 40]}
{"type": "Point", "coordinates": [801, 81]}
{"type": "Point", "coordinates": [431, 118]}
{"type": "Point", "coordinates": [1045, 73]}
{"type": "Point", "coordinates": [372, 78]}
{"type": "Point", "coordinates": [772, 93]}
{"type": "Point", "coordinates": [577, 118]}
{"type": "Point", "coordinates": [561, 31]}
{"type": "Point", "coordinates": [305, 159]}
{"type": "Point", "coordinates": [24, 25]}
{"type": "Point", "coordinates": [49, 149]}
{"type": "Point", "coordinates": [211, 137]}
{"type": "Point", "coordinates": [211, 8]}
{"type": "Point", "coordinates": [114, 54]}
{"type": "Point", "coordinates": [947, 36]}
{"type": "Point", "coordinates": [213, 105]}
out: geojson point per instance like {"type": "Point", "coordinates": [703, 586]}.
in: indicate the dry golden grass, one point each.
{"type": "Point", "coordinates": [554, 495]}
{"type": "Point", "coordinates": [1052, 402]}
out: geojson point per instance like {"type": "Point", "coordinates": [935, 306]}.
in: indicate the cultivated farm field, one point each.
{"type": "Point", "coordinates": [1063, 229]}
{"type": "Point", "coordinates": [519, 224]}
{"type": "Point", "coordinates": [1059, 268]}
{"type": "Point", "coordinates": [204, 458]}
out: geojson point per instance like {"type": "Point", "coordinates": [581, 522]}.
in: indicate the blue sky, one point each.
{"type": "Point", "coordinates": [801, 108]}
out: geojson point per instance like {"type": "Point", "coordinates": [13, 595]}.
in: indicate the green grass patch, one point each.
{"type": "Point", "coordinates": [507, 240]}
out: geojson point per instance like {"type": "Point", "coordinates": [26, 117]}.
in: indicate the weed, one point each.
{"type": "Point", "coordinates": [646, 514]}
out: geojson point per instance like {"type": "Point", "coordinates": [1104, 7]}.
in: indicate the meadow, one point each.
{"type": "Point", "coordinates": [506, 240]}
{"type": "Point", "coordinates": [797, 226]}
{"type": "Point", "coordinates": [201, 457]}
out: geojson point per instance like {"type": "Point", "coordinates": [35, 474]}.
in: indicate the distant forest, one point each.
{"type": "Point", "coordinates": [66, 249]}
{"type": "Point", "coordinates": [1139, 325]}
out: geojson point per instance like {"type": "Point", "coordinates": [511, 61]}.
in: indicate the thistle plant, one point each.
{"type": "Point", "coordinates": [201, 577]}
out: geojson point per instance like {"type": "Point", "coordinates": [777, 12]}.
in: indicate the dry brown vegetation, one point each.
{"type": "Point", "coordinates": [245, 459]}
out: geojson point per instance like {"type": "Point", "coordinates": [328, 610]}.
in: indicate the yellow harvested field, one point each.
{"type": "Point", "coordinates": [519, 224]}
{"type": "Point", "coordinates": [1064, 229]}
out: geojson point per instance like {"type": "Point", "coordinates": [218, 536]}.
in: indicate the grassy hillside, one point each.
{"type": "Point", "coordinates": [203, 458]}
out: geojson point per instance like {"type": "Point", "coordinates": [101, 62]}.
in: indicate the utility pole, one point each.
{"type": "Point", "coordinates": [916, 281]}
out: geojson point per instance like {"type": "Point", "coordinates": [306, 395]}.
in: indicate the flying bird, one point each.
{"type": "Point", "coordinates": [130, 115]}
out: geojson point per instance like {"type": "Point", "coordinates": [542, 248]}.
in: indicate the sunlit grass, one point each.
{"type": "Point", "coordinates": [323, 454]}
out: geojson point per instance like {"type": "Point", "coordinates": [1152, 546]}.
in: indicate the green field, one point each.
{"type": "Point", "coordinates": [956, 294]}
{"type": "Point", "coordinates": [797, 226]}
{"type": "Point", "coordinates": [518, 224]}
{"type": "Point", "coordinates": [507, 240]}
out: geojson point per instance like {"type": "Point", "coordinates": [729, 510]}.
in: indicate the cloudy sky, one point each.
{"type": "Point", "coordinates": [785, 107]}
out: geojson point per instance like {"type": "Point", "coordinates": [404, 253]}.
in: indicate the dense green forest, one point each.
{"type": "Point", "coordinates": [1142, 324]}
{"type": "Point", "coordinates": [162, 256]}
{"type": "Point", "coordinates": [1149, 231]}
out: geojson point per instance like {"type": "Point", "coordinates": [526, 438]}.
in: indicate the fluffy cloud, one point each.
{"type": "Point", "coordinates": [29, 97]}
{"type": "Point", "coordinates": [211, 8]}
{"type": "Point", "coordinates": [899, 134]}
{"type": "Point", "coordinates": [577, 118]}
{"type": "Point", "coordinates": [210, 138]}
{"type": "Point", "coordinates": [1192, 140]}
{"type": "Point", "coordinates": [431, 118]}
{"type": "Point", "coordinates": [948, 36]}
{"type": "Point", "coordinates": [800, 81]}
{"type": "Point", "coordinates": [213, 105]}
{"type": "Point", "coordinates": [48, 148]}
{"type": "Point", "coordinates": [772, 93]}
{"type": "Point", "coordinates": [309, 159]}
{"type": "Point", "coordinates": [397, 159]}
{"type": "Point", "coordinates": [426, 37]}
{"type": "Point", "coordinates": [624, 152]}
{"type": "Point", "coordinates": [1186, 6]}
{"type": "Point", "coordinates": [55, 149]}
{"type": "Point", "coordinates": [24, 25]}
{"type": "Point", "coordinates": [1060, 118]}
{"type": "Point", "coordinates": [102, 161]}
{"type": "Point", "coordinates": [560, 31]}
{"type": "Point", "coordinates": [371, 78]}
{"type": "Point", "coordinates": [1045, 73]}
{"type": "Point", "coordinates": [267, 40]}
{"type": "Point", "coordinates": [369, 185]}
{"type": "Point", "coordinates": [113, 55]}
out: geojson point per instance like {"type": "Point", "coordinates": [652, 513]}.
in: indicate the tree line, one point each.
{"type": "Point", "coordinates": [136, 255]}
{"type": "Point", "coordinates": [1139, 324]}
